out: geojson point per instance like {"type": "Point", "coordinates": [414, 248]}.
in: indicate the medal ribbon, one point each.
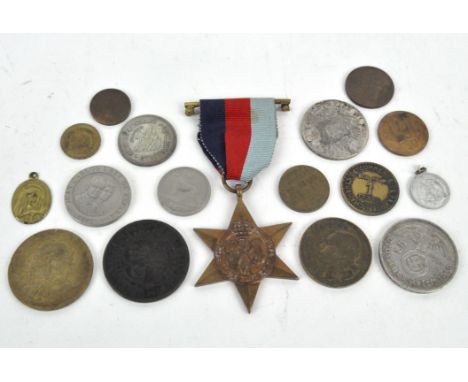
{"type": "Point", "coordinates": [238, 135]}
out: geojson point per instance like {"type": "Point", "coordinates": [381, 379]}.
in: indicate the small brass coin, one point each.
{"type": "Point", "coordinates": [304, 188]}
{"type": "Point", "coordinates": [403, 133]}
{"type": "Point", "coordinates": [335, 252]}
{"type": "Point", "coordinates": [31, 200]}
{"type": "Point", "coordinates": [369, 87]}
{"type": "Point", "coordinates": [110, 107]}
{"type": "Point", "coordinates": [50, 270]}
{"type": "Point", "coordinates": [370, 188]}
{"type": "Point", "coordinates": [80, 141]}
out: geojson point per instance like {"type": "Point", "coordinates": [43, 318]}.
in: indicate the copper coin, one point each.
{"type": "Point", "coordinates": [370, 188]}
{"type": "Point", "coordinates": [304, 188]}
{"type": "Point", "coordinates": [403, 133]}
{"type": "Point", "coordinates": [50, 270]}
{"type": "Point", "coordinates": [335, 252]}
{"type": "Point", "coordinates": [80, 141]}
{"type": "Point", "coordinates": [369, 87]}
{"type": "Point", "coordinates": [110, 107]}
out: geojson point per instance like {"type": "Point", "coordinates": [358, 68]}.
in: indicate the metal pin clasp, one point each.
{"type": "Point", "coordinates": [191, 106]}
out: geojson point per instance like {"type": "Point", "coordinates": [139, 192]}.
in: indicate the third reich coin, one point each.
{"type": "Point", "coordinates": [429, 190]}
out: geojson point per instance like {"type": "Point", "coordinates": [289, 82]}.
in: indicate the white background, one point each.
{"type": "Point", "coordinates": [46, 85]}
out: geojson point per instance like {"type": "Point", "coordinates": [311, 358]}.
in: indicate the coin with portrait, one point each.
{"type": "Point", "coordinates": [80, 141]}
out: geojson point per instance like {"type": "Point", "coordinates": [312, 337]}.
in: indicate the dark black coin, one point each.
{"type": "Point", "coordinates": [110, 107]}
{"type": "Point", "coordinates": [146, 261]}
{"type": "Point", "coordinates": [369, 87]}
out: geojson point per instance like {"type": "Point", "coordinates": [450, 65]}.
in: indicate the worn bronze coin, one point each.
{"type": "Point", "coordinates": [31, 200]}
{"type": "Point", "coordinates": [403, 133]}
{"type": "Point", "coordinates": [80, 141]}
{"type": "Point", "coordinates": [110, 107]}
{"type": "Point", "coordinates": [304, 188]}
{"type": "Point", "coordinates": [369, 87]}
{"type": "Point", "coordinates": [335, 252]}
{"type": "Point", "coordinates": [50, 270]}
{"type": "Point", "coordinates": [370, 188]}
{"type": "Point", "coordinates": [146, 261]}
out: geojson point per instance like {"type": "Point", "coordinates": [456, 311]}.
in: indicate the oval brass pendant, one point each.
{"type": "Point", "coordinates": [31, 200]}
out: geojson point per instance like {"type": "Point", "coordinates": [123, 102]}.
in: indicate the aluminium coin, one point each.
{"type": "Point", "coordinates": [184, 191]}
{"type": "Point", "coordinates": [403, 133]}
{"type": "Point", "coordinates": [370, 188]}
{"type": "Point", "coordinates": [97, 196]}
{"type": "Point", "coordinates": [334, 130]}
{"type": "Point", "coordinates": [335, 252]}
{"type": "Point", "coordinates": [31, 200]}
{"type": "Point", "coordinates": [429, 190]}
{"type": "Point", "coordinates": [110, 107]}
{"type": "Point", "coordinates": [304, 188]}
{"type": "Point", "coordinates": [50, 269]}
{"type": "Point", "coordinates": [418, 255]}
{"type": "Point", "coordinates": [146, 261]}
{"type": "Point", "coordinates": [369, 87]}
{"type": "Point", "coordinates": [80, 141]}
{"type": "Point", "coordinates": [147, 140]}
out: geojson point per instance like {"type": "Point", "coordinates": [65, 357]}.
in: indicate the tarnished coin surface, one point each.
{"type": "Point", "coordinates": [147, 140]}
{"type": "Point", "coordinates": [80, 141]}
{"type": "Point", "coordinates": [304, 188]}
{"type": "Point", "coordinates": [31, 200]}
{"type": "Point", "coordinates": [418, 255]}
{"type": "Point", "coordinates": [146, 261]}
{"type": "Point", "coordinates": [97, 196]}
{"type": "Point", "coordinates": [110, 107]}
{"type": "Point", "coordinates": [369, 87]}
{"type": "Point", "coordinates": [370, 188]}
{"type": "Point", "coordinates": [184, 191]}
{"type": "Point", "coordinates": [50, 270]}
{"type": "Point", "coordinates": [429, 190]}
{"type": "Point", "coordinates": [334, 130]}
{"type": "Point", "coordinates": [335, 252]}
{"type": "Point", "coordinates": [403, 133]}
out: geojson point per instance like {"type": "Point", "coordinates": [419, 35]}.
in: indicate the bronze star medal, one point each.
{"type": "Point", "coordinates": [244, 253]}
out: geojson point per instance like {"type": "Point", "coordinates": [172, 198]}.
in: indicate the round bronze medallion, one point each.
{"type": "Point", "coordinates": [80, 141]}
{"type": "Point", "coordinates": [335, 252]}
{"type": "Point", "coordinates": [370, 188]}
{"type": "Point", "coordinates": [369, 87]}
{"type": "Point", "coordinates": [304, 188]}
{"type": "Point", "coordinates": [110, 107]}
{"type": "Point", "coordinates": [31, 200]}
{"type": "Point", "coordinates": [50, 270]}
{"type": "Point", "coordinates": [403, 133]}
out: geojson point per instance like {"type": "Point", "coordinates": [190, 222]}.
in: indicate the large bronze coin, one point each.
{"type": "Point", "coordinates": [146, 261]}
{"type": "Point", "coordinates": [370, 188]}
{"type": "Point", "coordinates": [80, 141]}
{"type": "Point", "coordinates": [369, 87]}
{"type": "Point", "coordinates": [110, 107]}
{"type": "Point", "coordinates": [403, 133]}
{"type": "Point", "coordinates": [31, 200]}
{"type": "Point", "coordinates": [304, 188]}
{"type": "Point", "coordinates": [50, 270]}
{"type": "Point", "coordinates": [335, 252]}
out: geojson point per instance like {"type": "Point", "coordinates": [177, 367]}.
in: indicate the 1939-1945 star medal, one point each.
{"type": "Point", "coordinates": [238, 136]}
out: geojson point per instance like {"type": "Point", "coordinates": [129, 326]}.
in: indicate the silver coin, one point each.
{"type": "Point", "coordinates": [334, 130]}
{"type": "Point", "coordinates": [97, 196]}
{"type": "Point", "coordinates": [184, 191]}
{"type": "Point", "coordinates": [147, 140]}
{"type": "Point", "coordinates": [418, 255]}
{"type": "Point", "coordinates": [429, 190]}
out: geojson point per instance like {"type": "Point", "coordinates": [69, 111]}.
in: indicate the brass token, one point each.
{"type": "Point", "coordinates": [31, 200]}
{"type": "Point", "coordinates": [304, 188]}
{"type": "Point", "coordinates": [403, 133]}
{"type": "Point", "coordinates": [50, 269]}
{"type": "Point", "coordinates": [80, 141]}
{"type": "Point", "coordinates": [370, 188]}
{"type": "Point", "coordinates": [335, 252]}
{"type": "Point", "coordinates": [110, 107]}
